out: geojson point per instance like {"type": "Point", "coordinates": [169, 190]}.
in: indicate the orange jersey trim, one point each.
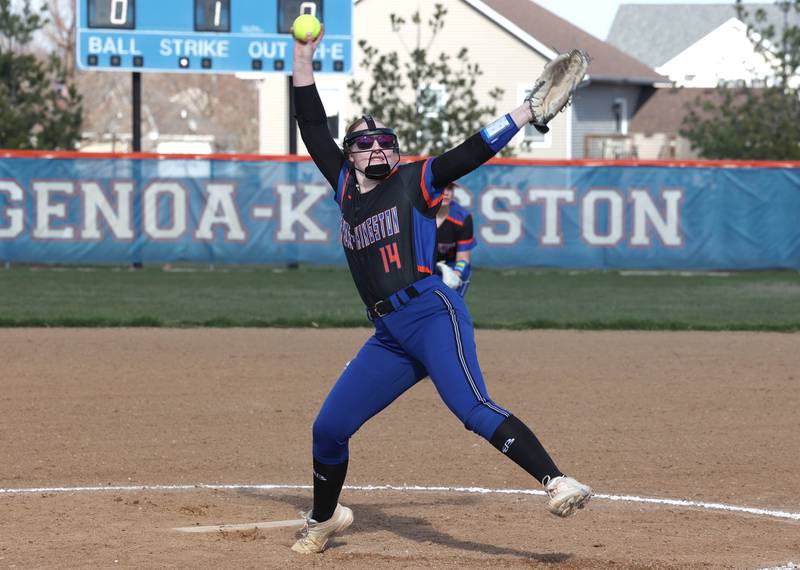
{"type": "Point", "coordinates": [425, 194]}
{"type": "Point", "coordinates": [344, 187]}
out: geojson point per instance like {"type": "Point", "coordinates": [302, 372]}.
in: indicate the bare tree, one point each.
{"type": "Point", "coordinates": [60, 32]}
{"type": "Point", "coordinates": [218, 105]}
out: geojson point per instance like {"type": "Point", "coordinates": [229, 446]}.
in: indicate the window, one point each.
{"type": "Point", "coordinates": [331, 96]}
{"type": "Point", "coordinates": [531, 137]}
{"type": "Point", "coordinates": [619, 112]}
{"type": "Point", "coordinates": [435, 96]}
{"type": "Point", "coordinates": [432, 98]}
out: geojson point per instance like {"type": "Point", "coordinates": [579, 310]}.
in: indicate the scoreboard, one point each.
{"type": "Point", "coordinates": [207, 36]}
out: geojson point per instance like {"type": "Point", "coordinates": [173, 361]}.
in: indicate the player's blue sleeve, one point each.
{"type": "Point", "coordinates": [498, 133]}
{"type": "Point", "coordinates": [430, 191]}
{"type": "Point", "coordinates": [341, 185]}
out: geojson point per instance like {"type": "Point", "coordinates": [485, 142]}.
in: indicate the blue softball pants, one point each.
{"type": "Point", "coordinates": [429, 335]}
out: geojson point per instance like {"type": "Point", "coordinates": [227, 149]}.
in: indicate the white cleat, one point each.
{"type": "Point", "coordinates": [566, 495]}
{"type": "Point", "coordinates": [316, 535]}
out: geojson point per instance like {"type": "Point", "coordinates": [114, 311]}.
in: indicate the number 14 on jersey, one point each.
{"type": "Point", "coordinates": [390, 255]}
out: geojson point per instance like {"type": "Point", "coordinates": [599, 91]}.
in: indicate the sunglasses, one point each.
{"type": "Point", "coordinates": [365, 142]}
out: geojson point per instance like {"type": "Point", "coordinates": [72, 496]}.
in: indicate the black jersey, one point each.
{"type": "Point", "coordinates": [455, 234]}
{"type": "Point", "coordinates": [388, 233]}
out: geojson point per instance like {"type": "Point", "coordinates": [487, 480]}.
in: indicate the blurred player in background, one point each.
{"type": "Point", "coordinates": [454, 241]}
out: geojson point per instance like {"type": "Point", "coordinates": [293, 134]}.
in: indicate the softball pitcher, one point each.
{"type": "Point", "coordinates": [422, 327]}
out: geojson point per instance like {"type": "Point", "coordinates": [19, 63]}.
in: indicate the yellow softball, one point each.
{"type": "Point", "coordinates": [303, 24]}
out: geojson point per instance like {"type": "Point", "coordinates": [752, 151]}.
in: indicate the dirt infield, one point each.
{"type": "Point", "coordinates": [703, 417]}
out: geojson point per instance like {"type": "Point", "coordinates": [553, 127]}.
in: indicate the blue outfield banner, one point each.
{"type": "Point", "coordinates": [62, 208]}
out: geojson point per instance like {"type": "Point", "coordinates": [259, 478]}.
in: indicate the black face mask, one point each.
{"type": "Point", "coordinates": [378, 171]}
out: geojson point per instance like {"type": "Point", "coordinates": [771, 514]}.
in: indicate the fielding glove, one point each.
{"type": "Point", "coordinates": [553, 90]}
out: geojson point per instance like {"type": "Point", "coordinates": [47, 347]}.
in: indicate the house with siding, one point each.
{"type": "Point", "coordinates": [654, 129]}
{"type": "Point", "coordinates": [182, 114]}
{"type": "Point", "coordinates": [511, 40]}
{"type": "Point", "coordinates": [699, 47]}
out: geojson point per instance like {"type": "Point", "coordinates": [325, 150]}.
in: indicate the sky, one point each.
{"type": "Point", "coordinates": [596, 16]}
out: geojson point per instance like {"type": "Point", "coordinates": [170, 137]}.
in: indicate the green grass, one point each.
{"type": "Point", "coordinates": [326, 297]}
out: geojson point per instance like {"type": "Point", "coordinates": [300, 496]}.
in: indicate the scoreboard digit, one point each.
{"type": "Point", "coordinates": [290, 9]}
{"type": "Point", "coordinates": [112, 14]}
{"type": "Point", "coordinates": [212, 15]}
{"type": "Point", "coordinates": [207, 36]}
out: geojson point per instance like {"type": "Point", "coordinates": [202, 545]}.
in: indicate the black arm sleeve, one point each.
{"type": "Point", "coordinates": [461, 160]}
{"type": "Point", "coordinates": [313, 123]}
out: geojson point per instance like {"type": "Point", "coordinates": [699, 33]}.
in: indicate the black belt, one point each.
{"type": "Point", "coordinates": [383, 308]}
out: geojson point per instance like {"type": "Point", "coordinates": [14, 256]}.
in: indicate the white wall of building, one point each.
{"type": "Point", "coordinates": [505, 60]}
{"type": "Point", "coordinates": [273, 114]}
{"type": "Point", "coordinates": [726, 54]}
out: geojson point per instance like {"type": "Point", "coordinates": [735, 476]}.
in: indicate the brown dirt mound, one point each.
{"type": "Point", "coordinates": [697, 416]}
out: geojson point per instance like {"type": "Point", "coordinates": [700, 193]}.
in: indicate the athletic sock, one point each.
{"type": "Point", "coordinates": [514, 439]}
{"type": "Point", "coordinates": [328, 481]}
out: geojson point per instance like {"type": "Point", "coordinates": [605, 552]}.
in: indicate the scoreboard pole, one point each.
{"type": "Point", "coordinates": [136, 146]}
{"type": "Point", "coordinates": [136, 111]}
{"type": "Point", "coordinates": [292, 119]}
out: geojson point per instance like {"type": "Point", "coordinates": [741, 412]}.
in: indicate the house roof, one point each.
{"type": "Point", "coordinates": [656, 33]}
{"type": "Point", "coordinates": [556, 34]}
{"type": "Point", "coordinates": [173, 106]}
{"type": "Point", "coordinates": [664, 111]}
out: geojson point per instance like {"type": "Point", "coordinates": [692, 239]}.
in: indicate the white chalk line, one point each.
{"type": "Point", "coordinates": [412, 489]}
{"type": "Point", "coordinates": [243, 526]}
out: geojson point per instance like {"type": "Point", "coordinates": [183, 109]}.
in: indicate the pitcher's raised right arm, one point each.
{"type": "Point", "coordinates": [311, 116]}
